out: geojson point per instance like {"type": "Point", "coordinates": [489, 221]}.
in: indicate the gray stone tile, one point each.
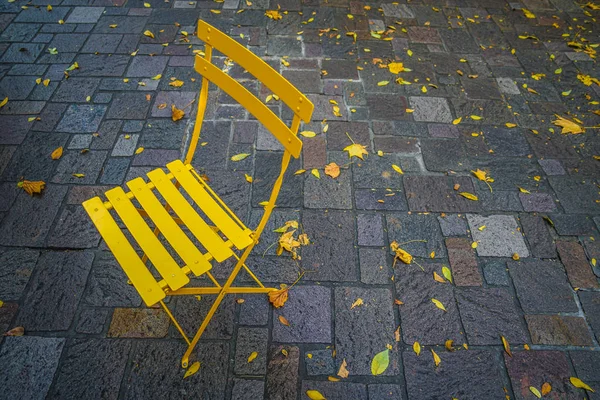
{"type": "Point", "coordinates": [254, 310]}
{"type": "Point", "coordinates": [453, 225]}
{"type": "Point", "coordinates": [146, 66]}
{"type": "Point", "coordinates": [337, 390]}
{"type": "Point", "coordinates": [590, 301]}
{"type": "Point", "coordinates": [29, 364]}
{"type": "Point", "coordinates": [327, 192]}
{"type": "Point", "coordinates": [81, 119]}
{"type": "Point", "coordinates": [495, 273]}
{"type": "Point", "coordinates": [74, 229]}
{"type": "Point", "coordinates": [91, 321]}
{"type": "Point", "coordinates": [107, 286]}
{"type": "Point", "coordinates": [370, 230]}
{"type": "Point", "coordinates": [15, 55]}
{"type": "Point", "coordinates": [16, 267]}
{"type": "Point", "coordinates": [431, 109]}
{"type": "Point", "coordinates": [85, 15]}
{"type": "Point", "coordinates": [282, 372]}
{"type": "Point", "coordinates": [244, 388]}
{"type": "Point", "coordinates": [250, 340]}
{"type": "Point", "coordinates": [16, 87]}
{"type": "Point", "coordinates": [73, 162]}
{"type": "Point", "coordinates": [76, 90]}
{"type": "Point", "coordinates": [538, 236]}
{"type": "Point", "coordinates": [423, 230]}
{"type": "Point", "coordinates": [500, 238]}
{"type": "Point", "coordinates": [319, 362]}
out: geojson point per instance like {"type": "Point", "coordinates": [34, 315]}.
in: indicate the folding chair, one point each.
{"type": "Point", "coordinates": [229, 231]}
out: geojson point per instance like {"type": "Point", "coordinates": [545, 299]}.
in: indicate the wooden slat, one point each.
{"type": "Point", "coordinates": [203, 199]}
{"type": "Point", "coordinates": [134, 268]}
{"type": "Point", "coordinates": [188, 252]}
{"type": "Point", "coordinates": [256, 107]}
{"type": "Point", "coordinates": [209, 239]}
{"type": "Point", "coordinates": [149, 243]}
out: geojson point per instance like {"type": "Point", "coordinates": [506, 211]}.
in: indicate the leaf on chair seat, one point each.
{"type": "Point", "coordinates": [192, 369]}
{"type": "Point", "coordinates": [176, 113]}
{"type": "Point", "coordinates": [278, 297]}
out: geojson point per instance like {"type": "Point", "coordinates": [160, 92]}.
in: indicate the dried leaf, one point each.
{"type": "Point", "coordinates": [476, 117]}
{"type": "Point", "coordinates": [528, 13]}
{"type": "Point", "coordinates": [510, 125]}
{"type": "Point", "coordinates": [438, 278]}
{"type": "Point", "coordinates": [447, 274]}
{"type": "Point", "coordinates": [248, 178]}
{"type": "Point", "coordinates": [449, 345]}
{"type": "Point", "coordinates": [397, 169]}
{"type": "Point", "coordinates": [535, 392]}
{"type": "Point", "coordinates": [308, 134]}
{"type": "Point", "coordinates": [356, 150]}
{"type": "Point", "coordinates": [176, 113]}
{"type": "Point", "coordinates": [438, 304]}
{"type": "Point", "coordinates": [469, 196]}
{"type": "Point", "coordinates": [506, 346]}
{"type": "Point", "coordinates": [139, 150]}
{"type": "Point", "coordinates": [278, 297]}
{"type": "Point", "coordinates": [357, 302]}
{"type": "Point", "coordinates": [283, 320]}
{"type": "Point", "coordinates": [401, 255]}
{"type": "Point", "coordinates": [457, 121]}
{"type": "Point", "coordinates": [3, 102]}
{"type": "Point", "coordinates": [57, 153]}
{"type": "Point", "coordinates": [522, 190]}
{"type": "Point", "coordinates": [273, 14]}
{"type": "Point", "coordinates": [315, 395]}
{"type": "Point", "coordinates": [568, 126]}
{"type": "Point", "coordinates": [149, 34]}
{"type": "Point", "coordinates": [32, 187]}
{"type": "Point", "coordinates": [380, 362]}
{"type": "Point", "coordinates": [343, 372]}
{"type": "Point", "coordinates": [383, 83]}
{"type": "Point", "coordinates": [176, 83]}
{"type": "Point", "coordinates": [252, 356]}
{"type": "Point", "coordinates": [436, 358]}
{"type": "Point", "coordinates": [546, 388]}
{"type": "Point", "coordinates": [300, 172]}
{"type": "Point", "coordinates": [333, 170]}
{"type": "Point", "coordinates": [156, 77]}
{"type": "Point", "coordinates": [315, 173]}
{"type": "Point", "coordinates": [578, 383]}
{"type": "Point", "coordinates": [192, 369]}
{"type": "Point", "coordinates": [396, 67]}
{"type": "Point", "coordinates": [417, 348]}
{"type": "Point", "coordinates": [239, 157]}
{"type": "Point", "coordinates": [18, 331]}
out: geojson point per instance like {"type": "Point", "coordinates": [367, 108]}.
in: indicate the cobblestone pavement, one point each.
{"type": "Point", "coordinates": [87, 334]}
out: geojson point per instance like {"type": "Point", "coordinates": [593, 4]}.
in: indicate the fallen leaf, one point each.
{"type": "Point", "coordinates": [343, 372]}
{"type": "Point", "coordinates": [383, 83]}
{"type": "Point", "coordinates": [176, 83]}
{"type": "Point", "coordinates": [476, 117]}
{"type": "Point", "coordinates": [46, 82]}
{"type": "Point", "coordinates": [192, 369]}
{"type": "Point", "coordinates": [278, 297]}
{"type": "Point", "coordinates": [356, 150]}
{"type": "Point", "coordinates": [535, 392]}
{"type": "Point", "coordinates": [57, 153]}
{"type": "Point", "coordinates": [308, 134]}
{"type": "Point", "coordinates": [528, 13]}
{"type": "Point", "coordinates": [510, 125]}
{"type": "Point", "coordinates": [300, 172]}
{"type": "Point", "coordinates": [283, 320]}
{"type": "Point", "coordinates": [436, 358]}
{"type": "Point", "coordinates": [248, 178]}
{"type": "Point", "coordinates": [568, 126]}
{"type": "Point", "coordinates": [176, 113]}
{"type": "Point", "coordinates": [32, 187]}
{"type": "Point", "coordinates": [588, 80]}
{"type": "Point", "coordinates": [315, 395]}
{"type": "Point", "coordinates": [506, 345]}
{"type": "Point", "coordinates": [457, 121]}
{"type": "Point", "coordinates": [3, 102]}
{"type": "Point", "coordinates": [273, 14]}
{"type": "Point", "coordinates": [396, 67]}
{"type": "Point", "coordinates": [18, 331]}
{"type": "Point", "coordinates": [358, 302]}
{"type": "Point", "coordinates": [516, 257]}
{"type": "Point", "coordinates": [380, 362]}
{"type": "Point", "coordinates": [447, 274]}
{"type": "Point", "coordinates": [401, 255]}
{"type": "Point", "coordinates": [53, 51]}
{"type": "Point", "coordinates": [81, 175]}
{"type": "Point", "coordinates": [578, 383]}
{"type": "Point", "coordinates": [449, 345]}
{"type": "Point", "coordinates": [156, 77]}
{"type": "Point", "coordinates": [438, 304]}
{"type": "Point", "coordinates": [215, 11]}
{"type": "Point", "coordinates": [315, 173]}
{"type": "Point", "coordinates": [523, 190]}
{"type": "Point", "coordinates": [417, 348]}
{"type": "Point", "coordinates": [397, 169]}
{"type": "Point", "coordinates": [239, 157]}
{"type": "Point", "coordinates": [538, 77]}
{"type": "Point", "coordinates": [469, 196]}
{"type": "Point", "coordinates": [252, 356]}
{"type": "Point", "coordinates": [333, 170]}
{"type": "Point", "coordinates": [147, 5]}
{"type": "Point", "coordinates": [438, 278]}
{"type": "Point", "coordinates": [139, 150]}
{"type": "Point", "coordinates": [546, 388]}
{"type": "Point", "coordinates": [49, 7]}
{"type": "Point", "coordinates": [149, 34]}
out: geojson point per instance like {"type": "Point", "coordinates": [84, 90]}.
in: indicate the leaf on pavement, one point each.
{"type": "Point", "coordinates": [333, 170]}
{"type": "Point", "coordinates": [278, 297]}
{"type": "Point", "coordinates": [192, 369]}
{"type": "Point", "coordinates": [283, 320]}
{"type": "Point", "coordinates": [417, 348]}
{"type": "Point", "coordinates": [438, 304]}
{"type": "Point", "coordinates": [57, 153]}
{"type": "Point", "coordinates": [535, 392]}
{"type": "Point", "coordinates": [397, 169]}
{"type": "Point", "coordinates": [380, 362]}
{"type": "Point", "coordinates": [176, 113]}
{"type": "Point", "coordinates": [358, 302]}
{"type": "Point", "coordinates": [32, 187]}
{"type": "Point", "coordinates": [506, 345]}
{"type": "Point", "coordinates": [308, 134]}
{"type": "Point", "coordinates": [356, 150]}
{"type": "Point", "coordinates": [546, 388]}
{"type": "Point", "coordinates": [578, 383]}
{"type": "Point", "coordinates": [469, 196]}
{"type": "Point", "coordinates": [18, 331]}
{"type": "Point", "coordinates": [401, 255]}
{"type": "Point", "coordinates": [567, 125]}
{"type": "Point", "coordinates": [436, 358]}
{"type": "Point", "coordinates": [149, 34]}
{"type": "Point", "coordinates": [3, 102]}
{"type": "Point", "coordinates": [252, 356]}
{"type": "Point", "coordinates": [314, 394]}
{"type": "Point", "coordinates": [343, 372]}
{"type": "Point", "coordinates": [239, 157]}
{"type": "Point", "coordinates": [447, 274]}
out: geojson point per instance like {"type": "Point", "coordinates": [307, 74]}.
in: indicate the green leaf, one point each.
{"type": "Point", "coordinates": [380, 362]}
{"type": "Point", "coordinates": [447, 274]}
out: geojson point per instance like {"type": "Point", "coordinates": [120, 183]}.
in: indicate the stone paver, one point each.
{"type": "Point", "coordinates": [523, 257]}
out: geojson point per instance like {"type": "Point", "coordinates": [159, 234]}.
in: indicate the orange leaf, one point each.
{"type": "Point", "coordinates": [333, 170]}
{"type": "Point", "coordinates": [278, 297]}
{"type": "Point", "coordinates": [343, 372]}
{"type": "Point", "coordinates": [32, 187]}
{"type": "Point", "coordinates": [283, 320]}
{"type": "Point", "coordinates": [546, 388]}
{"type": "Point", "coordinates": [176, 113]}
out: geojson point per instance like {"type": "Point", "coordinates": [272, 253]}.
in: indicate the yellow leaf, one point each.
{"type": "Point", "coordinates": [356, 150]}
{"type": "Point", "coordinates": [273, 14]}
{"type": "Point", "coordinates": [149, 34]}
{"type": "Point", "coordinates": [113, 26]}
{"type": "Point", "coordinates": [539, 76]}
{"type": "Point", "coordinates": [558, 71]}
{"type": "Point", "coordinates": [333, 379]}
{"type": "Point", "coordinates": [474, 245]}
{"type": "Point", "coordinates": [401, 255]}
{"type": "Point", "coordinates": [285, 62]}
{"type": "Point", "coordinates": [528, 13]}
{"type": "Point", "coordinates": [436, 358]}
{"type": "Point", "coordinates": [358, 302]}
{"type": "Point", "coordinates": [139, 150]}
{"type": "Point", "coordinates": [447, 274]}
{"type": "Point", "coordinates": [438, 304]}
{"type": "Point", "coordinates": [397, 169]}
{"type": "Point", "coordinates": [157, 77]}
{"type": "Point", "coordinates": [409, 52]}
{"type": "Point", "coordinates": [18, 331]}
{"type": "Point", "coordinates": [457, 121]}
{"type": "Point", "coordinates": [308, 134]}
{"type": "Point", "coordinates": [3, 102]}
{"type": "Point", "coordinates": [239, 157]}
{"type": "Point", "coordinates": [88, 98]}
{"type": "Point", "coordinates": [510, 125]}
{"type": "Point", "coordinates": [522, 190]}
{"type": "Point", "coordinates": [278, 297]}
{"type": "Point", "coordinates": [248, 178]}
{"type": "Point", "coordinates": [546, 388]}
{"type": "Point", "coordinates": [380, 362]}
{"type": "Point", "coordinates": [476, 117]}
{"type": "Point", "coordinates": [437, 277]}
{"type": "Point", "coordinates": [469, 196]}
{"type": "Point", "coordinates": [383, 83]}
{"type": "Point", "coordinates": [46, 82]}
{"type": "Point", "coordinates": [333, 170]}
{"type": "Point", "coordinates": [506, 345]}
{"type": "Point", "coordinates": [32, 187]}
{"type": "Point", "coordinates": [38, 81]}
{"type": "Point", "coordinates": [315, 173]}
{"type": "Point", "coordinates": [423, 89]}
{"type": "Point", "coordinates": [300, 172]}
{"type": "Point", "coordinates": [578, 383]}
{"type": "Point", "coordinates": [31, 119]}
{"type": "Point", "coordinates": [417, 348]}
{"type": "Point", "coordinates": [588, 80]}
{"type": "Point", "coordinates": [176, 83]}
{"type": "Point", "coordinates": [49, 7]}
{"type": "Point", "coordinates": [482, 227]}
{"type": "Point", "coordinates": [176, 113]}
{"type": "Point", "coordinates": [410, 110]}
{"type": "Point", "coordinates": [78, 175]}
{"type": "Point", "coordinates": [535, 392]}
{"type": "Point", "coordinates": [215, 11]}
{"type": "Point", "coordinates": [315, 395]}
{"type": "Point", "coordinates": [343, 372]}
{"type": "Point", "coordinates": [192, 369]}
{"type": "Point", "coordinates": [396, 67]}
{"type": "Point", "coordinates": [57, 153]}
{"type": "Point", "coordinates": [568, 126]}
{"type": "Point", "coordinates": [380, 153]}
{"type": "Point", "coordinates": [252, 356]}
{"type": "Point", "coordinates": [593, 260]}
{"type": "Point", "coordinates": [283, 320]}
{"type": "Point", "coordinates": [432, 254]}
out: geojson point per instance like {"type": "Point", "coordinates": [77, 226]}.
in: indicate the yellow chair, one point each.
{"type": "Point", "coordinates": [228, 230]}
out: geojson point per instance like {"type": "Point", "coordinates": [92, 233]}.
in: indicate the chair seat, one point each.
{"type": "Point", "coordinates": [173, 187]}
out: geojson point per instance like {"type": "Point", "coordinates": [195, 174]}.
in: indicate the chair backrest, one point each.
{"type": "Point", "coordinates": [300, 105]}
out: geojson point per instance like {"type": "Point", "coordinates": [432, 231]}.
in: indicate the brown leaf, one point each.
{"type": "Point", "coordinates": [438, 278]}
{"type": "Point", "coordinates": [343, 372]}
{"type": "Point", "coordinates": [278, 297]}
{"type": "Point", "coordinates": [283, 320]}
{"type": "Point", "coordinates": [32, 187]}
{"type": "Point", "coordinates": [176, 113]}
{"type": "Point", "coordinates": [57, 153]}
{"type": "Point", "coordinates": [333, 170]}
{"type": "Point", "coordinates": [18, 331]}
{"type": "Point", "coordinates": [397, 334]}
